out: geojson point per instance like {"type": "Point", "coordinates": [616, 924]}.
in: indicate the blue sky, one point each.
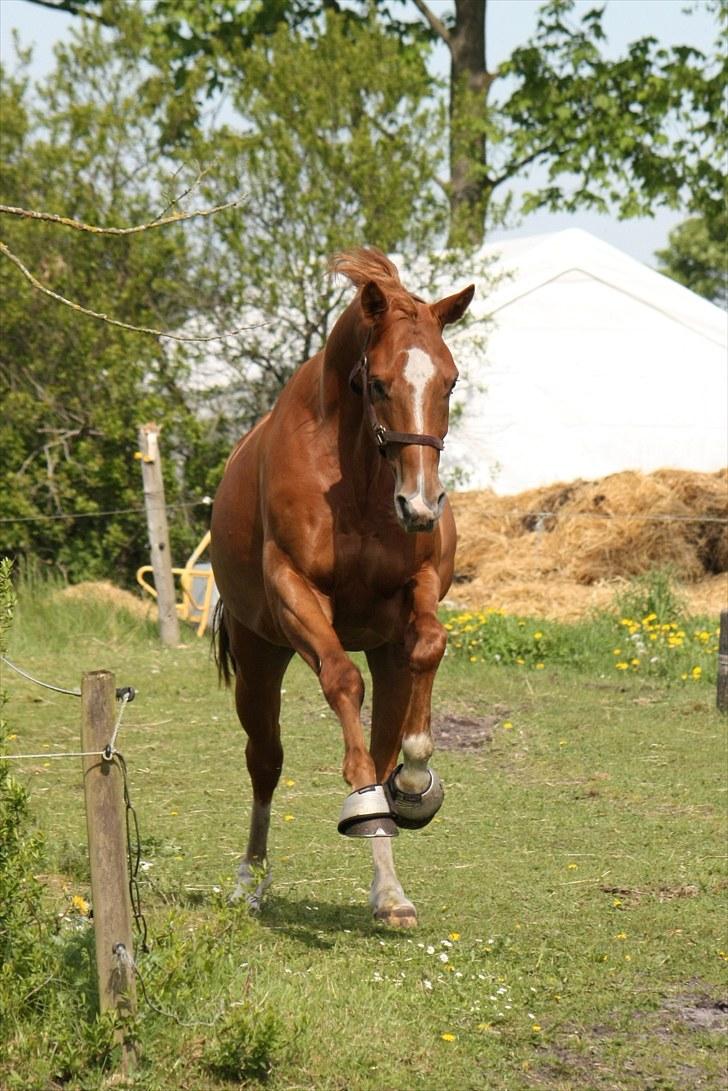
{"type": "Point", "coordinates": [510, 22]}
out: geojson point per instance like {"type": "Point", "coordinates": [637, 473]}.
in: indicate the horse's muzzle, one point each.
{"type": "Point", "coordinates": [415, 514]}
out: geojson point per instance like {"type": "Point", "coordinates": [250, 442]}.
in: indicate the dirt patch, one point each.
{"type": "Point", "coordinates": [455, 732]}
{"type": "Point", "coordinates": [660, 894]}
{"type": "Point", "coordinates": [698, 1013]}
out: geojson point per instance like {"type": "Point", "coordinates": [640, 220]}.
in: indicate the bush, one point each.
{"type": "Point", "coordinates": [245, 1045]}
{"type": "Point", "coordinates": [647, 633]}
{"type": "Point", "coordinates": [20, 855]}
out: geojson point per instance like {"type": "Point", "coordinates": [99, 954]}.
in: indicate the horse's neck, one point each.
{"type": "Point", "coordinates": [341, 406]}
{"type": "Point", "coordinates": [346, 342]}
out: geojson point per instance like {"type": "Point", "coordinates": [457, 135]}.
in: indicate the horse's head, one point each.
{"type": "Point", "coordinates": [406, 376]}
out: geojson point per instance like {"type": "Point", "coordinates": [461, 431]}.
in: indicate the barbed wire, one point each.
{"type": "Point", "coordinates": [509, 513]}
{"type": "Point", "coordinates": [124, 694]}
{"type": "Point", "coordinates": [206, 501]}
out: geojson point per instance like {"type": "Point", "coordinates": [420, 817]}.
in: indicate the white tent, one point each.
{"type": "Point", "coordinates": [593, 363]}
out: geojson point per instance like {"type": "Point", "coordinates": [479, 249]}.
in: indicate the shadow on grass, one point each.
{"type": "Point", "coordinates": [318, 924]}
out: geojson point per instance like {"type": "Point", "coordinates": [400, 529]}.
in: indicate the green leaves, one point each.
{"type": "Point", "coordinates": [696, 257]}
{"type": "Point", "coordinates": [629, 134]}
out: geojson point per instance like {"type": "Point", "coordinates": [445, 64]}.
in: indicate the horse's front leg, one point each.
{"type": "Point", "coordinates": [403, 680]}
{"type": "Point", "coordinates": [304, 616]}
{"type": "Point", "coordinates": [415, 790]}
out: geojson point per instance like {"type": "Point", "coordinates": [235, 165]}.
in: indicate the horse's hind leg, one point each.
{"type": "Point", "coordinates": [259, 670]}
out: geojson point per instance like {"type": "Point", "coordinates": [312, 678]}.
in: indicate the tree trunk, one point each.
{"type": "Point", "coordinates": [469, 83]}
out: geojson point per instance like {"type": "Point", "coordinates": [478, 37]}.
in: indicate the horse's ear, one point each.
{"type": "Point", "coordinates": [453, 307]}
{"type": "Point", "coordinates": [373, 300]}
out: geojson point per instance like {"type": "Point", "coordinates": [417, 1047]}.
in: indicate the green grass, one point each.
{"type": "Point", "coordinates": [579, 859]}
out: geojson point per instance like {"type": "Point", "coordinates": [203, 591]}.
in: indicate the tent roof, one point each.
{"type": "Point", "coordinates": [592, 363]}
{"type": "Point", "coordinates": [530, 263]}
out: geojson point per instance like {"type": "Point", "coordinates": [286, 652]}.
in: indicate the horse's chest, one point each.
{"type": "Point", "coordinates": [370, 561]}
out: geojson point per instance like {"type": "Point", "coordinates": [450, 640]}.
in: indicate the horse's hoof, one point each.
{"type": "Point", "coordinates": [413, 810]}
{"type": "Point", "coordinates": [366, 813]}
{"type": "Point", "coordinates": [252, 902]}
{"type": "Point", "coordinates": [399, 916]}
{"type": "Point", "coordinates": [371, 827]}
{"type": "Point", "coordinates": [251, 887]}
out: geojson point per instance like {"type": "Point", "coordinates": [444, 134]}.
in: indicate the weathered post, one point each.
{"type": "Point", "coordinates": [158, 532]}
{"type": "Point", "coordinates": [103, 784]}
{"type": "Point", "coordinates": [722, 693]}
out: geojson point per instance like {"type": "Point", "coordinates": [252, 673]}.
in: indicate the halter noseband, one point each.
{"type": "Point", "coordinates": [383, 436]}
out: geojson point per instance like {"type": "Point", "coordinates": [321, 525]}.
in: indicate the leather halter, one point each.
{"type": "Point", "coordinates": [383, 436]}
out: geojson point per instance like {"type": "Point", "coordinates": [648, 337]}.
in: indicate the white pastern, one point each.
{"type": "Point", "coordinates": [386, 893]}
{"type": "Point", "coordinates": [253, 881]}
{"type": "Point", "coordinates": [416, 753]}
{"type": "Point", "coordinates": [254, 875]}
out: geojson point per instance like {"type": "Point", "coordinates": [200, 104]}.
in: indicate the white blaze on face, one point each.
{"type": "Point", "coordinates": [419, 371]}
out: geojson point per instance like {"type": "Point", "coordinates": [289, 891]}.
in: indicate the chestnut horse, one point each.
{"type": "Point", "coordinates": [331, 531]}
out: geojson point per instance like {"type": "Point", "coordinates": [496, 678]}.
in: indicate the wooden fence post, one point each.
{"type": "Point", "coordinates": [103, 783]}
{"type": "Point", "coordinates": [158, 532]}
{"type": "Point", "coordinates": [721, 699]}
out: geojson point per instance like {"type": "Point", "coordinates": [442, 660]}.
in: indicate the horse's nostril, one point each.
{"type": "Point", "coordinates": [441, 500]}
{"type": "Point", "coordinates": [402, 505]}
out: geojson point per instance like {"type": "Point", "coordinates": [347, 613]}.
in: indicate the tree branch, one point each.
{"type": "Point", "coordinates": [72, 9]}
{"type": "Point", "coordinates": [437, 24]}
{"type": "Point", "coordinates": [105, 317]}
{"type": "Point", "coordinates": [514, 168]}
{"type": "Point", "coordinates": [78, 225]}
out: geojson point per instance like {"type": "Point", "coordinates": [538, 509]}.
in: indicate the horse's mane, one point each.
{"type": "Point", "coordinates": [365, 263]}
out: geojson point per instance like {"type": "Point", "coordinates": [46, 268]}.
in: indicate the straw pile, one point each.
{"type": "Point", "coordinates": [112, 596]}
{"type": "Point", "coordinates": [559, 550]}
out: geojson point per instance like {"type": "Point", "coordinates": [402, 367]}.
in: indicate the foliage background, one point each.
{"type": "Point", "coordinates": [325, 122]}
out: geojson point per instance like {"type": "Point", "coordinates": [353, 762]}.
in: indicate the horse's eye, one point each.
{"type": "Point", "coordinates": [377, 390]}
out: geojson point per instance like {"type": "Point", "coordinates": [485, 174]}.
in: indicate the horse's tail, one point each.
{"type": "Point", "coordinates": [221, 646]}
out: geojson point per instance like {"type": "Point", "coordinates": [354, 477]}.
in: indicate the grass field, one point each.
{"type": "Point", "coordinates": [571, 893]}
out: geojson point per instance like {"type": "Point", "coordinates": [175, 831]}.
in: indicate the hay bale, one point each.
{"type": "Point", "coordinates": [115, 597]}
{"type": "Point", "coordinates": [542, 542]}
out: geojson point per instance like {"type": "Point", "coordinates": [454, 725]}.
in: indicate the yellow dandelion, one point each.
{"type": "Point", "coordinates": [507, 725]}
{"type": "Point", "coordinates": [288, 818]}
{"type": "Point", "coordinates": [617, 902]}
{"type": "Point", "coordinates": [536, 1028]}
{"type": "Point", "coordinates": [80, 904]}
{"type": "Point", "coordinates": [696, 672]}
{"type": "Point", "coordinates": [538, 636]}
{"type": "Point", "coordinates": [454, 936]}
{"type": "Point", "coordinates": [289, 783]}
{"type": "Point", "coordinates": [622, 666]}
{"type": "Point", "coordinates": [572, 867]}
{"type": "Point", "coordinates": [621, 935]}
{"type": "Point", "coordinates": [540, 666]}
{"type": "Point", "coordinates": [448, 1037]}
